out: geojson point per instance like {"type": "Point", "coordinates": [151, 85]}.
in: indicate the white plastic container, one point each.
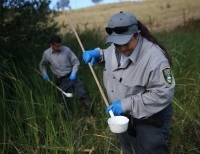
{"type": "Point", "coordinates": [118, 124]}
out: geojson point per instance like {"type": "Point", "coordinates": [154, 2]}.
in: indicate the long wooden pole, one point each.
{"type": "Point", "coordinates": [93, 73]}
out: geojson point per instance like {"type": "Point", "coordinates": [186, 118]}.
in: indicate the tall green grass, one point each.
{"type": "Point", "coordinates": [32, 122]}
{"type": "Point", "coordinates": [31, 114]}
{"type": "Point", "coordinates": [183, 44]}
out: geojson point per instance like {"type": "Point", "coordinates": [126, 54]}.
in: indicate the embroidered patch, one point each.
{"type": "Point", "coordinates": [167, 75]}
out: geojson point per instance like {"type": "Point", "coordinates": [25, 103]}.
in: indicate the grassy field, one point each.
{"type": "Point", "coordinates": [30, 112]}
{"type": "Point", "coordinates": [158, 15]}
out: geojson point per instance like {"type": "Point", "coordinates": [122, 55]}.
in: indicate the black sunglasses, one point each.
{"type": "Point", "coordinates": [118, 30]}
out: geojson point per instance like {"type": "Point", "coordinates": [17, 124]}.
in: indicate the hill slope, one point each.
{"type": "Point", "coordinates": [156, 14]}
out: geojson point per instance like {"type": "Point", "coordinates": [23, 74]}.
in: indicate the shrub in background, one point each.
{"type": "Point", "coordinates": [25, 26]}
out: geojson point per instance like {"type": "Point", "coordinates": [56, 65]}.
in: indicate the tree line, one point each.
{"type": "Point", "coordinates": [62, 4]}
{"type": "Point", "coordinates": [25, 26]}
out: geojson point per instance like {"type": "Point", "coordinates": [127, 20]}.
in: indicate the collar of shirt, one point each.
{"type": "Point", "coordinates": [123, 59]}
{"type": "Point", "coordinates": [52, 51]}
{"type": "Point", "coordinates": [134, 55]}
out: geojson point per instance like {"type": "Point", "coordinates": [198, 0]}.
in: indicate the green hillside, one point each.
{"type": "Point", "coordinates": [156, 14]}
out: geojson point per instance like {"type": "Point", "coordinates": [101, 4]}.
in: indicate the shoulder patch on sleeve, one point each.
{"type": "Point", "coordinates": [167, 75]}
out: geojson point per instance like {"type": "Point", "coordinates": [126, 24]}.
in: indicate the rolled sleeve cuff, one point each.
{"type": "Point", "coordinates": [126, 106]}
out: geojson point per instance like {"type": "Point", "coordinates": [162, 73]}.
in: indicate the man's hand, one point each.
{"type": "Point", "coordinates": [116, 107]}
{"type": "Point", "coordinates": [46, 77]}
{"type": "Point", "coordinates": [72, 77]}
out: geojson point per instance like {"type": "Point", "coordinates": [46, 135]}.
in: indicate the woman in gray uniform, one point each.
{"type": "Point", "coordinates": [139, 83]}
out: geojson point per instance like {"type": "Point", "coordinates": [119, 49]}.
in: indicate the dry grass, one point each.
{"type": "Point", "coordinates": [156, 14]}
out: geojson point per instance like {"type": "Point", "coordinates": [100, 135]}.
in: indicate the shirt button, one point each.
{"type": "Point", "coordinates": [112, 90]}
{"type": "Point", "coordinates": [113, 77]}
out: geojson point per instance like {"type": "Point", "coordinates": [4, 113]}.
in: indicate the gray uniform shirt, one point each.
{"type": "Point", "coordinates": [141, 83]}
{"type": "Point", "coordinates": [61, 63]}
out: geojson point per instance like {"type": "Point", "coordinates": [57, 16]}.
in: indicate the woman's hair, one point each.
{"type": "Point", "coordinates": [146, 34]}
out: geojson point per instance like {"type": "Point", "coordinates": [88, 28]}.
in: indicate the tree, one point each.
{"type": "Point", "coordinates": [25, 26]}
{"type": "Point", "coordinates": [62, 4]}
{"type": "Point", "coordinates": [96, 1]}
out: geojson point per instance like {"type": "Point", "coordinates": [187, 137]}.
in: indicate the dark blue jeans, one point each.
{"type": "Point", "coordinates": [147, 138]}
{"type": "Point", "coordinates": [69, 86]}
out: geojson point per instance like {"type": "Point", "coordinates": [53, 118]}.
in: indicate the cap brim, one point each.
{"type": "Point", "coordinates": [118, 39]}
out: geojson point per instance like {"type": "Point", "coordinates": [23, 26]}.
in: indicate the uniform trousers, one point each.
{"type": "Point", "coordinates": [77, 86]}
{"type": "Point", "coordinates": [143, 137]}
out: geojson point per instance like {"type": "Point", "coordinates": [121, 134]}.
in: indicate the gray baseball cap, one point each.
{"type": "Point", "coordinates": [121, 27]}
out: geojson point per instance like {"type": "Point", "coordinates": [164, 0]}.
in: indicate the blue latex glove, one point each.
{"type": "Point", "coordinates": [46, 77]}
{"type": "Point", "coordinates": [116, 107]}
{"type": "Point", "coordinates": [90, 56]}
{"type": "Point", "coordinates": [72, 76]}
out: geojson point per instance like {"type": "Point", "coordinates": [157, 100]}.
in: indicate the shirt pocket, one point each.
{"type": "Point", "coordinates": [125, 89]}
